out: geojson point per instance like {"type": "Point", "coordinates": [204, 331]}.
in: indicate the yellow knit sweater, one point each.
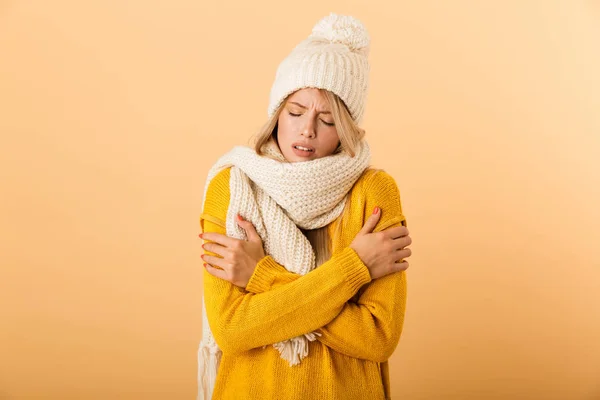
{"type": "Point", "coordinates": [360, 320]}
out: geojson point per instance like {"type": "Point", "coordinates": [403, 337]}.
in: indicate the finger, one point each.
{"type": "Point", "coordinates": [219, 273]}
{"type": "Point", "coordinates": [403, 252]}
{"type": "Point", "coordinates": [219, 238]}
{"type": "Point", "coordinates": [396, 232]}
{"type": "Point", "coordinates": [219, 262]}
{"type": "Point", "coordinates": [215, 248]}
{"type": "Point", "coordinates": [401, 265]}
{"type": "Point", "coordinates": [253, 236]}
{"type": "Point", "coordinates": [401, 242]}
{"type": "Point", "coordinates": [371, 222]}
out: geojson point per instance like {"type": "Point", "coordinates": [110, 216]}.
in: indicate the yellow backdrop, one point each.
{"type": "Point", "coordinates": [486, 113]}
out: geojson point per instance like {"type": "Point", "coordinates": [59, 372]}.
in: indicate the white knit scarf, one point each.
{"type": "Point", "coordinates": [278, 198]}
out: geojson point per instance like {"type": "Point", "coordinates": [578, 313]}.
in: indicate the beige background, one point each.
{"type": "Point", "coordinates": [485, 112]}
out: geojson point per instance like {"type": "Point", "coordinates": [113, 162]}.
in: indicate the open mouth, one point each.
{"type": "Point", "coordinates": [305, 149]}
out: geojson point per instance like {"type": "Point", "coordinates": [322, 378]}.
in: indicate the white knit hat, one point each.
{"type": "Point", "coordinates": [334, 57]}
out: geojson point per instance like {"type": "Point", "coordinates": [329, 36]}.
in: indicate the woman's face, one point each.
{"type": "Point", "coordinates": [306, 121]}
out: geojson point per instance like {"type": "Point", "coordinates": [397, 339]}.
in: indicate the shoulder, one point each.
{"type": "Point", "coordinates": [377, 188]}
{"type": "Point", "coordinates": [217, 194]}
{"type": "Point", "coordinates": [220, 179]}
{"type": "Point", "coordinates": [376, 182]}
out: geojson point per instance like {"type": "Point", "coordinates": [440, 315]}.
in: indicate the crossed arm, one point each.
{"type": "Point", "coordinates": [277, 304]}
{"type": "Point", "coordinates": [368, 328]}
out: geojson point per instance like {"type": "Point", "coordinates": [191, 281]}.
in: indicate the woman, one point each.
{"type": "Point", "coordinates": [304, 289]}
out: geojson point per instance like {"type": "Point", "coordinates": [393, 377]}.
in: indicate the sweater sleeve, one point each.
{"type": "Point", "coordinates": [241, 320]}
{"type": "Point", "coordinates": [369, 328]}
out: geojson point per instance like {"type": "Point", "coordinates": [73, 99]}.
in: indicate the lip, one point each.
{"type": "Point", "coordinates": [303, 145]}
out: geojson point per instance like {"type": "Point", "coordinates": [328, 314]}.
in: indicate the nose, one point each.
{"type": "Point", "coordinates": [308, 129]}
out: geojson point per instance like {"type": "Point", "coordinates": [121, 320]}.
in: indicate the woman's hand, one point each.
{"type": "Point", "coordinates": [380, 251]}
{"type": "Point", "coordinates": [239, 256]}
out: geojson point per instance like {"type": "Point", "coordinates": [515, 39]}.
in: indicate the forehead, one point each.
{"type": "Point", "coordinates": [307, 96]}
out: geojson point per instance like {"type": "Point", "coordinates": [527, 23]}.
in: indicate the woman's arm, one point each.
{"type": "Point", "coordinates": [369, 328]}
{"type": "Point", "coordinates": [241, 320]}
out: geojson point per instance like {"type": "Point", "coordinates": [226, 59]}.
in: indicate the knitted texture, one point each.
{"type": "Point", "coordinates": [333, 57]}
{"type": "Point", "coordinates": [359, 320]}
{"type": "Point", "coordinates": [278, 197]}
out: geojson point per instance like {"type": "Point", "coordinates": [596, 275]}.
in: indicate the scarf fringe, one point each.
{"type": "Point", "coordinates": [295, 349]}
{"type": "Point", "coordinates": [209, 359]}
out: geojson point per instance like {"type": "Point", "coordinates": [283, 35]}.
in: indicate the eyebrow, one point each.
{"type": "Point", "coordinates": [300, 105]}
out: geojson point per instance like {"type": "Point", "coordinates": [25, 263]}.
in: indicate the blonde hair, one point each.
{"type": "Point", "coordinates": [349, 133]}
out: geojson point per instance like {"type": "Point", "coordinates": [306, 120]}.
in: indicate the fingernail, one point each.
{"type": "Point", "coordinates": [375, 210]}
{"type": "Point", "coordinates": [204, 265]}
{"type": "Point", "coordinates": [203, 246]}
{"type": "Point", "coordinates": [200, 235]}
{"type": "Point", "coordinates": [239, 217]}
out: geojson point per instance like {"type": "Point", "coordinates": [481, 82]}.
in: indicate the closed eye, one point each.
{"type": "Point", "coordinates": [325, 122]}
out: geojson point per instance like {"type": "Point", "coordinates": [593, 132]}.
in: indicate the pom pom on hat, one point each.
{"type": "Point", "coordinates": [333, 57]}
{"type": "Point", "coordinates": [343, 29]}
